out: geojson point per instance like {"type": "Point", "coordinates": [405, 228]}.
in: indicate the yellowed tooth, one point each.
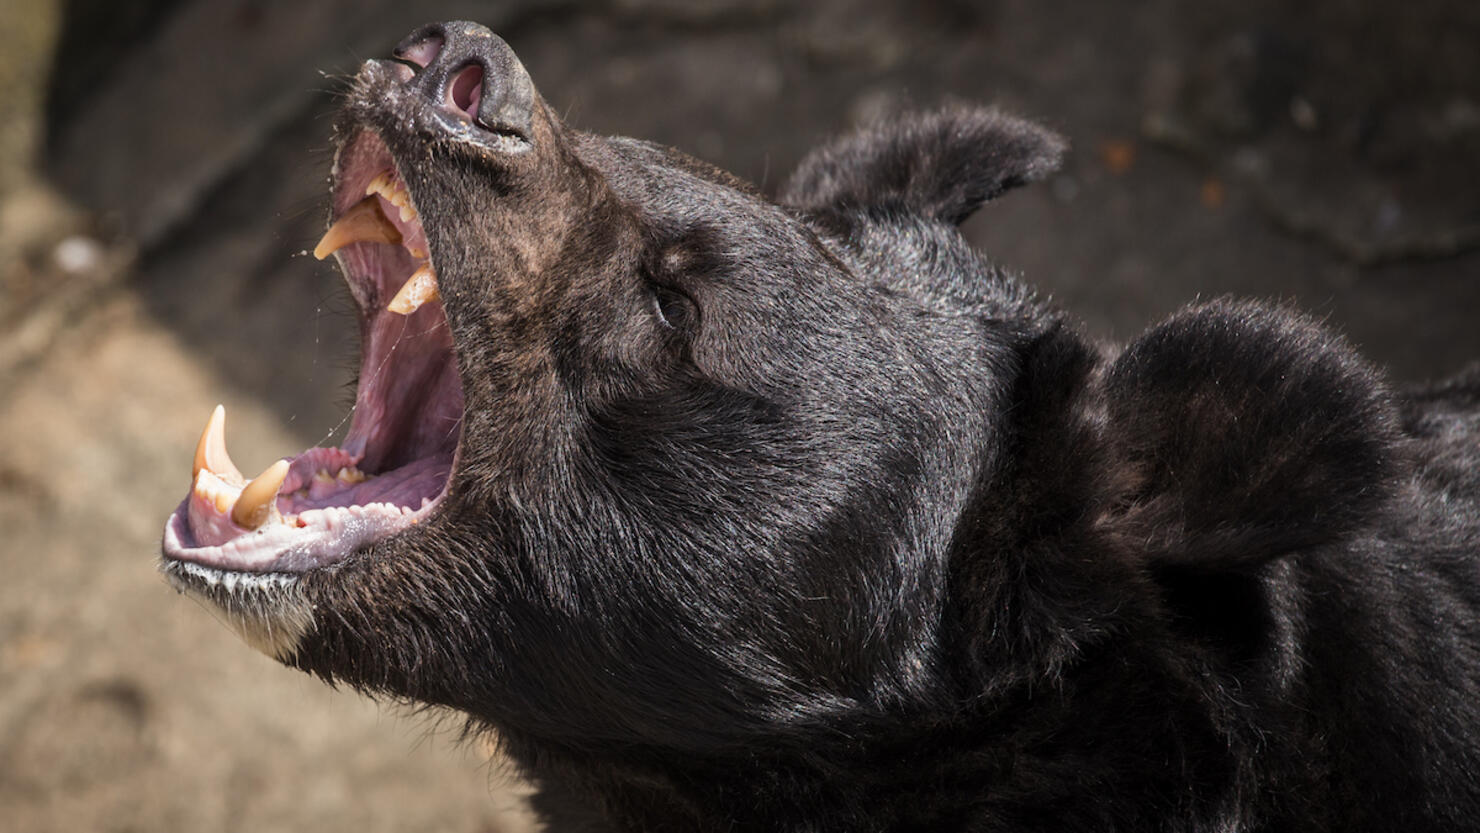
{"type": "Point", "coordinates": [418, 289]}
{"type": "Point", "coordinates": [380, 184]}
{"type": "Point", "coordinates": [255, 504]}
{"type": "Point", "coordinates": [210, 451]}
{"type": "Point", "coordinates": [407, 213]}
{"type": "Point", "coordinates": [363, 222]}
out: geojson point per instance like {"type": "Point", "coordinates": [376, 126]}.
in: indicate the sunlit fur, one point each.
{"type": "Point", "coordinates": [802, 515]}
{"type": "Point", "coordinates": [267, 611]}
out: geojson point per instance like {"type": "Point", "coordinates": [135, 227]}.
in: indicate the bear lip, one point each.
{"type": "Point", "coordinates": [396, 463]}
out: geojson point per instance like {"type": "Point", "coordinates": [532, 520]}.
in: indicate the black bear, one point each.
{"type": "Point", "coordinates": [728, 513]}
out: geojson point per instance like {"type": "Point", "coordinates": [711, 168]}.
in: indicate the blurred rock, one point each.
{"type": "Point", "coordinates": [1338, 133]}
{"type": "Point", "coordinates": [271, 61]}
{"type": "Point", "coordinates": [29, 27]}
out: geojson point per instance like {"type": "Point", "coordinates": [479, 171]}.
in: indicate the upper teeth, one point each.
{"type": "Point", "coordinates": [417, 290]}
{"type": "Point", "coordinates": [366, 222]}
{"type": "Point", "coordinates": [363, 222]}
{"type": "Point", "coordinates": [388, 185]}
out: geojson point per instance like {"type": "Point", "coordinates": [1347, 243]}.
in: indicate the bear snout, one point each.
{"type": "Point", "coordinates": [470, 73]}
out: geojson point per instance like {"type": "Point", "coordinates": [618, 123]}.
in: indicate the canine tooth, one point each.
{"type": "Point", "coordinates": [418, 289]}
{"type": "Point", "coordinates": [210, 451]}
{"type": "Point", "coordinates": [255, 504]}
{"type": "Point", "coordinates": [363, 222]}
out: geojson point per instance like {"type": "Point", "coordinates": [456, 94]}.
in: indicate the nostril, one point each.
{"type": "Point", "coordinates": [466, 90]}
{"type": "Point", "coordinates": [421, 53]}
{"type": "Point", "coordinates": [470, 74]}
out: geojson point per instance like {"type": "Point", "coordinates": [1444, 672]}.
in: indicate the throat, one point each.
{"type": "Point", "coordinates": [409, 403]}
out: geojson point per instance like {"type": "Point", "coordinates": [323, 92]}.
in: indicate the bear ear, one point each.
{"type": "Point", "coordinates": [1245, 432]}
{"type": "Point", "coordinates": [942, 165]}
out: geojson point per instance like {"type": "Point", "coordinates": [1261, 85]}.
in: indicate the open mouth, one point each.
{"type": "Point", "coordinates": [394, 466]}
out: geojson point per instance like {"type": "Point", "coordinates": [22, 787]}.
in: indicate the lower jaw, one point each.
{"type": "Point", "coordinates": [257, 587]}
{"type": "Point", "coordinates": [328, 534]}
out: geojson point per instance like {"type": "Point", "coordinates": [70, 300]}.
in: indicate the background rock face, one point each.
{"type": "Point", "coordinates": [163, 172]}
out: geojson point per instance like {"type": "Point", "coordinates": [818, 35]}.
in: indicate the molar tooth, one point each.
{"type": "Point", "coordinates": [418, 289]}
{"type": "Point", "coordinates": [210, 450]}
{"type": "Point", "coordinates": [363, 222]}
{"type": "Point", "coordinates": [380, 184]}
{"type": "Point", "coordinates": [256, 503]}
{"type": "Point", "coordinates": [407, 213]}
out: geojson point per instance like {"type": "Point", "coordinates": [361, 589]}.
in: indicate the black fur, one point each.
{"type": "Point", "coordinates": [803, 516]}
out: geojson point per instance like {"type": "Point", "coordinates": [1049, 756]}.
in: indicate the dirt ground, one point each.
{"type": "Point", "coordinates": [162, 171]}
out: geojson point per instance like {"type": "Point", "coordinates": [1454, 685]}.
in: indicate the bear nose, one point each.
{"type": "Point", "coordinates": [469, 71]}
